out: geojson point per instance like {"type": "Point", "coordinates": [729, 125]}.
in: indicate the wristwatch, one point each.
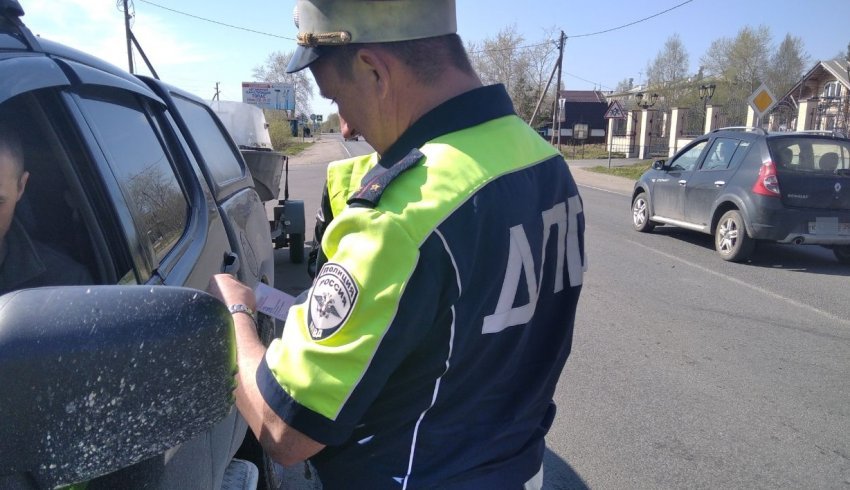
{"type": "Point", "coordinates": [240, 308]}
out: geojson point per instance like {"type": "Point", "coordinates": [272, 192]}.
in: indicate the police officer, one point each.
{"type": "Point", "coordinates": [427, 351]}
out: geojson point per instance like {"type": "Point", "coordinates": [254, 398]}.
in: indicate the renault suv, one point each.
{"type": "Point", "coordinates": [744, 185]}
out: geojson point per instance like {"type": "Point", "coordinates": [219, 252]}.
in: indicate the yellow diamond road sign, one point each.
{"type": "Point", "coordinates": [762, 100]}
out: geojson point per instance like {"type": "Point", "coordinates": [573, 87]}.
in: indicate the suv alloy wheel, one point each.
{"type": "Point", "coordinates": [730, 238]}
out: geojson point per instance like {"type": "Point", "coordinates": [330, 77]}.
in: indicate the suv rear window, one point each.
{"type": "Point", "coordinates": [810, 154]}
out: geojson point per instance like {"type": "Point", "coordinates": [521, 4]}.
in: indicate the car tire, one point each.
{"type": "Point", "coordinates": [730, 237]}
{"type": "Point", "coordinates": [640, 214]}
{"type": "Point", "coordinates": [296, 248]}
{"type": "Point", "coordinates": [842, 253]}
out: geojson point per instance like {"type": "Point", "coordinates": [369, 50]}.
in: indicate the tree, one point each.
{"type": "Point", "coordinates": [667, 72]}
{"type": "Point", "coordinates": [331, 123]}
{"type": "Point", "coordinates": [738, 67]}
{"type": "Point", "coordinates": [670, 64]}
{"type": "Point", "coordinates": [524, 70]}
{"type": "Point", "coordinates": [740, 61]}
{"type": "Point", "coordinates": [274, 71]}
{"type": "Point", "coordinates": [624, 85]}
{"type": "Point", "coordinates": [786, 65]}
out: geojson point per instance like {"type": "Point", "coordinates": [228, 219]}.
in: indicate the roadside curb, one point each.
{"type": "Point", "coordinates": [610, 183]}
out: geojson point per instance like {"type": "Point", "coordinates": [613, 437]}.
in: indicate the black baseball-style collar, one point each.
{"type": "Point", "coordinates": [464, 111]}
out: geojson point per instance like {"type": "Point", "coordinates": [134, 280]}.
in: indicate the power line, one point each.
{"type": "Point", "coordinates": [630, 23]}
{"type": "Point", "coordinates": [215, 21]}
{"type": "Point", "coordinates": [586, 80]}
{"type": "Point", "coordinates": [512, 48]}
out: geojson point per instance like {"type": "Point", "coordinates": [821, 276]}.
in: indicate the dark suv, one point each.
{"type": "Point", "coordinates": [745, 184]}
{"type": "Point", "coordinates": [126, 382]}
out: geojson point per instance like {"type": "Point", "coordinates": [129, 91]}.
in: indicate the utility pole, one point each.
{"type": "Point", "coordinates": [129, 36]}
{"type": "Point", "coordinates": [215, 97]}
{"type": "Point", "coordinates": [131, 40]}
{"type": "Point", "coordinates": [542, 96]}
{"type": "Point", "coordinates": [556, 116]}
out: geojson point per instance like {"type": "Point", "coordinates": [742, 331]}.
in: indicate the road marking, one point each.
{"type": "Point", "coordinates": [742, 283]}
{"type": "Point", "coordinates": [345, 147]}
{"type": "Point", "coordinates": [603, 190]}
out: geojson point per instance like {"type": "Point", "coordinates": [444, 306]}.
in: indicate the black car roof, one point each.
{"type": "Point", "coordinates": [17, 40]}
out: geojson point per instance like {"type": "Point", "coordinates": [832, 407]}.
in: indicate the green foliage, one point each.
{"type": "Point", "coordinates": [281, 134]}
{"type": "Point", "coordinates": [666, 72]}
{"type": "Point", "coordinates": [331, 124]}
{"type": "Point", "coordinates": [589, 151]}
{"type": "Point", "coordinates": [632, 172]}
{"type": "Point", "coordinates": [786, 65]}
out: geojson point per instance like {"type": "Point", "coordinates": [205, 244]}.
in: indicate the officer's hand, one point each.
{"type": "Point", "coordinates": [230, 291]}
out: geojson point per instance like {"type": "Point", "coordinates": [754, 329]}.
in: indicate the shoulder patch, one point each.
{"type": "Point", "coordinates": [332, 299]}
{"type": "Point", "coordinates": [376, 181]}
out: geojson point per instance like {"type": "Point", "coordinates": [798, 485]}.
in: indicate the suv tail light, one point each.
{"type": "Point", "coordinates": [767, 183]}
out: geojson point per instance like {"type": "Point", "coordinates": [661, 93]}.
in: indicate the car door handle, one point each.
{"type": "Point", "coordinates": [683, 182]}
{"type": "Point", "coordinates": [231, 264]}
{"type": "Point", "coordinates": [719, 183]}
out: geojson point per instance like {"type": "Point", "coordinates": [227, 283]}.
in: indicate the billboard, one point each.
{"type": "Point", "coordinates": [266, 95]}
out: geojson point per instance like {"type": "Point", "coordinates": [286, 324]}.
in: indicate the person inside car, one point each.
{"type": "Point", "coordinates": [24, 262]}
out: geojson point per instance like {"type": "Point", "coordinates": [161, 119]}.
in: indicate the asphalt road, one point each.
{"type": "Point", "coordinates": [686, 371]}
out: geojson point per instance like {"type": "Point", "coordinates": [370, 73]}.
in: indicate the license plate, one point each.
{"type": "Point", "coordinates": [828, 226]}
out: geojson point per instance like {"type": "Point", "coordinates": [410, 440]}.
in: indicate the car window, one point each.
{"type": "Point", "coordinates": [811, 155]}
{"type": "Point", "coordinates": [212, 139]}
{"type": "Point", "coordinates": [720, 154]}
{"type": "Point", "coordinates": [142, 167]}
{"type": "Point", "coordinates": [49, 235]}
{"type": "Point", "coordinates": [740, 153]}
{"type": "Point", "coordinates": [688, 160]}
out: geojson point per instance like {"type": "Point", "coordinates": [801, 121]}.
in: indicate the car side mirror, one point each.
{"type": "Point", "coordinates": [658, 164]}
{"type": "Point", "coordinates": [97, 378]}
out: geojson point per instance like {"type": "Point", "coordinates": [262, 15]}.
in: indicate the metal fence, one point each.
{"type": "Point", "coordinates": [692, 121]}
{"type": "Point", "coordinates": [783, 117]}
{"type": "Point", "coordinates": [658, 135]}
{"type": "Point", "coordinates": [733, 113]}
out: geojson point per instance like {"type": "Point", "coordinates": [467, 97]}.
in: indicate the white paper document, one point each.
{"type": "Point", "coordinates": [273, 302]}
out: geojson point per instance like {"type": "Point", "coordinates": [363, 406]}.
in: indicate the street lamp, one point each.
{"type": "Point", "coordinates": [646, 104]}
{"type": "Point", "coordinates": [706, 92]}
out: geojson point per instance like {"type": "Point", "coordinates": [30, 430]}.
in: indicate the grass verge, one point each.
{"type": "Point", "coordinates": [629, 171]}
{"type": "Point", "coordinates": [589, 151]}
{"type": "Point", "coordinates": [294, 146]}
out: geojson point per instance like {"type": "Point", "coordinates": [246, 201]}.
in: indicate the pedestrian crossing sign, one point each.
{"type": "Point", "coordinates": [615, 111]}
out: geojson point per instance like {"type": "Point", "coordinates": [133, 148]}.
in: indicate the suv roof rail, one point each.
{"type": "Point", "coordinates": [828, 132]}
{"type": "Point", "coordinates": [741, 128]}
{"type": "Point", "coordinates": [12, 11]}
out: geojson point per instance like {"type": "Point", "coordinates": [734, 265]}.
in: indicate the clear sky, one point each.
{"type": "Point", "coordinates": [194, 54]}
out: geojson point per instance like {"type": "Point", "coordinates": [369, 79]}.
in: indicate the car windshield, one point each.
{"type": "Point", "coordinates": [811, 154]}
